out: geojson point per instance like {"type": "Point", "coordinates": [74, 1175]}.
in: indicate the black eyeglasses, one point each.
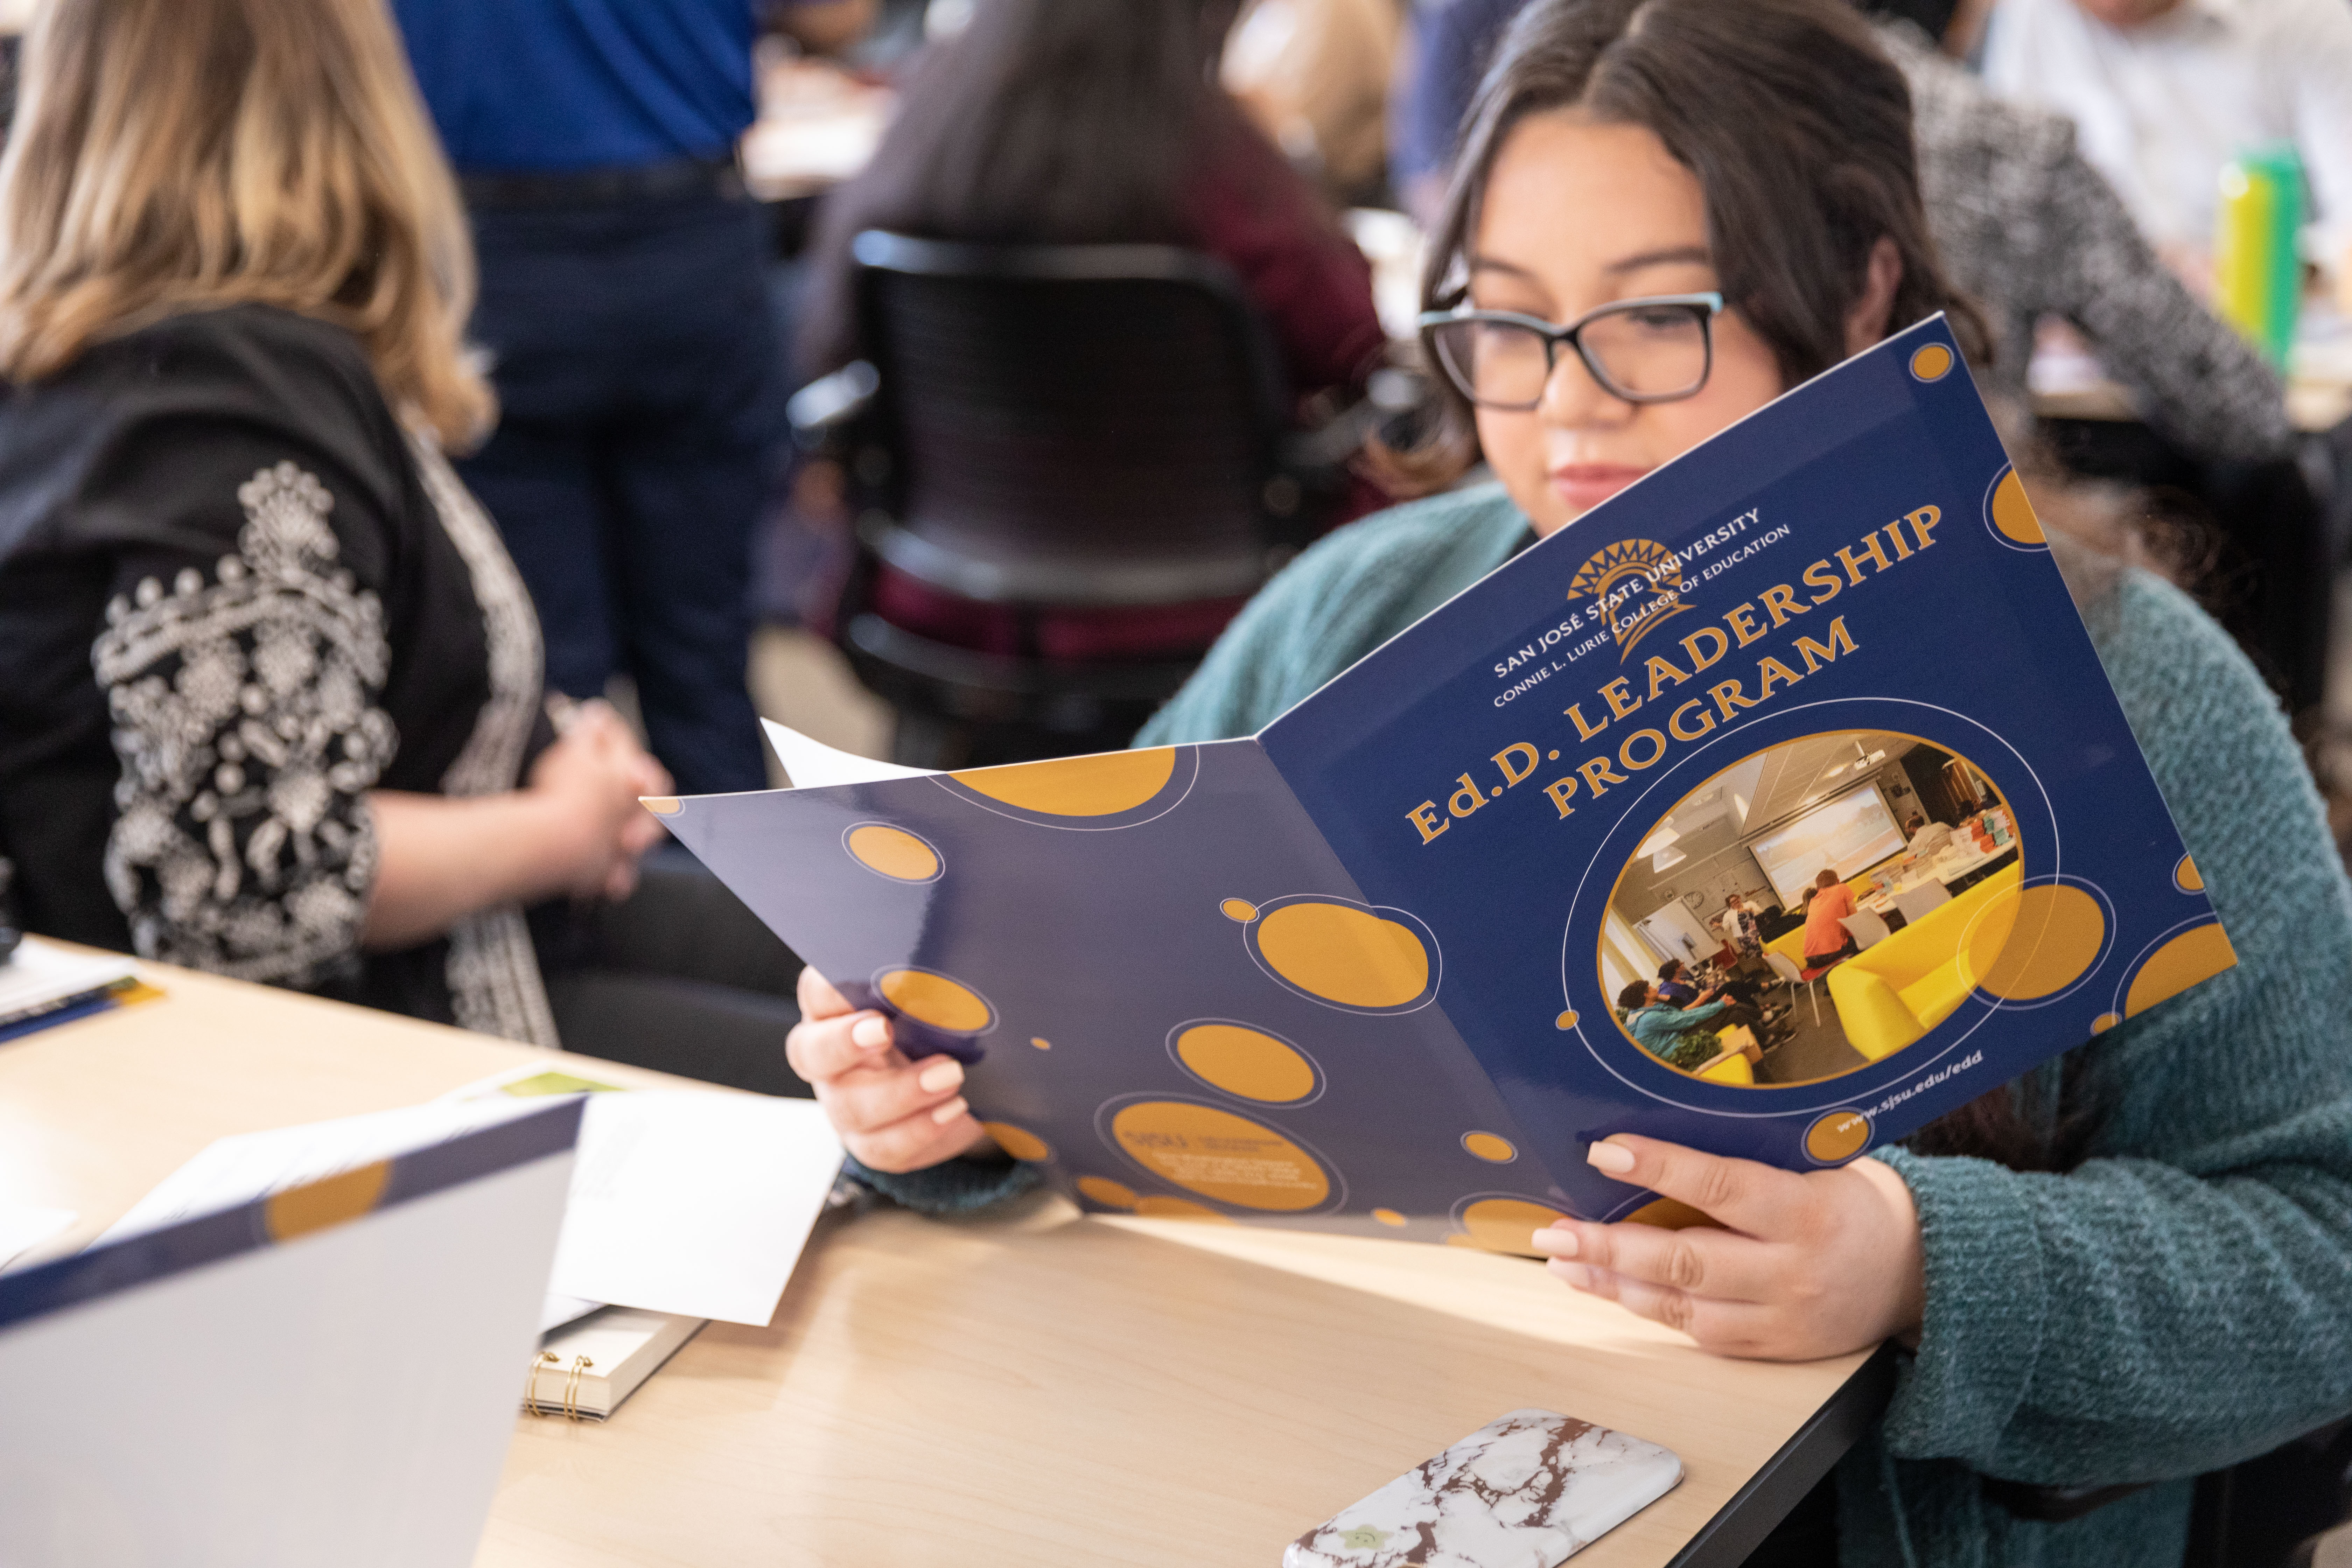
{"type": "Point", "coordinates": [1653, 350]}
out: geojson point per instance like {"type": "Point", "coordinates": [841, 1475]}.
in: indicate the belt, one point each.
{"type": "Point", "coordinates": [597, 187]}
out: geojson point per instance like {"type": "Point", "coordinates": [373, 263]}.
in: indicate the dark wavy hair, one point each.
{"type": "Point", "coordinates": [1796, 123]}
{"type": "Point", "coordinates": [1042, 123]}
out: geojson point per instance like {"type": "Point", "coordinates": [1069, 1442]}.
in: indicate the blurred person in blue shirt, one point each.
{"type": "Point", "coordinates": [632, 346]}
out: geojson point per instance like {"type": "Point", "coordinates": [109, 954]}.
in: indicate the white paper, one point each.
{"type": "Point", "coordinates": [346, 1397]}
{"type": "Point", "coordinates": [39, 973]}
{"type": "Point", "coordinates": [22, 1228]}
{"type": "Point", "coordinates": [693, 1202]}
{"type": "Point", "coordinates": [558, 1310]}
{"type": "Point", "coordinates": [812, 764]}
{"type": "Point", "coordinates": [682, 1201]}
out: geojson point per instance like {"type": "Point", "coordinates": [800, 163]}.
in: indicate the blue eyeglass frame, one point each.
{"type": "Point", "coordinates": [1553, 335]}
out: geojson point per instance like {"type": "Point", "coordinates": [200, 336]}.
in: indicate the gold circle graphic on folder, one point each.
{"type": "Point", "coordinates": [2197, 953]}
{"type": "Point", "coordinates": [1078, 786]}
{"type": "Point", "coordinates": [1245, 1061]}
{"type": "Point", "coordinates": [2031, 942]}
{"type": "Point", "coordinates": [930, 997]}
{"type": "Point", "coordinates": [2009, 513]}
{"type": "Point", "coordinates": [1491, 1147]}
{"type": "Point", "coordinates": [2012, 513]}
{"type": "Point", "coordinates": [327, 1202]}
{"type": "Point", "coordinates": [892, 852]}
{"type": "Point", "coordinates": [1362, 958]}
{"type": "Point", "coordinates": [1898, 870]}
{"type": "Point", "coordinates": [1839, 1135]}
{"type": "Point", "coordinates": [1220, 1155]}
{"type": "Point", "coordinates": [1500, 1223]}
{"type": "Point", "coordinates": [1019, 1142]}
{"type": "Point", "coordinates": [1109, 1194]}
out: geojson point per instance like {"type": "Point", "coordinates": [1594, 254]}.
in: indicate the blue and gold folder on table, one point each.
{"type": "Point", "coordinates": [1364, 970]}
{"type": "Point", "coordinates": [327, 1374]}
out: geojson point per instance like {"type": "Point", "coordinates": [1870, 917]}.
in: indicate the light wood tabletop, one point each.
{"type": "Point", "coordinates": [1034, 1387]}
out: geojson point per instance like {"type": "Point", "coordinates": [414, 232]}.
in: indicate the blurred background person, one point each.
{"type": "Point", "coordinates": [2165, 92]}
{"type": "Point", "coordinates": [1447, 46]}
{"type": "Point", "coordinates": [270, 696]}
{"type": "Point", "coordinates": [1091, 122]}
{"type": "Point", "coordinates": [625, 311]}
{"type": "Point", "coordinates": [1315, 75]}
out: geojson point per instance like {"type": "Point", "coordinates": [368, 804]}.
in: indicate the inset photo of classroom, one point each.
{"type": "Point", "coordinates": [1809, 910]}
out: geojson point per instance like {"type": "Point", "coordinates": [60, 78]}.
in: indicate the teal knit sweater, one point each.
{"type": "Point", "coordinates": [2181, 1301]}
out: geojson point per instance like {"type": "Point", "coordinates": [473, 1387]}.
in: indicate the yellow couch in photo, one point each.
{"type": "Point", "coordinates": [1732, 1068]}
{"type": "Point", "coordinates": [1889, 995]}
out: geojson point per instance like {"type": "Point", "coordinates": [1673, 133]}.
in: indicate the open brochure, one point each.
{"type": "Point", "coordinates": [1370, 969]}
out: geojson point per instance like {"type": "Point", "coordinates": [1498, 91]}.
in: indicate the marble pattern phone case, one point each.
{"type": "Point", "coordinates": [1529, 1490]}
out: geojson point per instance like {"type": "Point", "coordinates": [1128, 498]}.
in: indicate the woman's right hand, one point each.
{"type": "Point", "coordinates": [895, 1115]}
{"type": "Point", "coordinates": [588, 783]}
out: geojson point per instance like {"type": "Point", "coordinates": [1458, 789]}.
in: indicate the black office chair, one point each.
{"type": "Point", "coordinates": [1051, 428]}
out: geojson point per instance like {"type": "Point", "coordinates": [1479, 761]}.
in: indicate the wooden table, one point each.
{"type": "Point", "coordinates": [2313, 407]}
{"type": "Point", "coordinates": [1034, 1387]}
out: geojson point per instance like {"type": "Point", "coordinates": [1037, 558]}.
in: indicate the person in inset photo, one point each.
{"type": "Point", "coordinates": [1923, 836]}
{"type": "Point", "coordinates": [1682, 1037]}
{"type": "Point", "coordinates": [1740, 928]}
{"type": "Point", "coordinates": [1826, 937]}
{"type": "Point", "coordinates": [1675, 985]}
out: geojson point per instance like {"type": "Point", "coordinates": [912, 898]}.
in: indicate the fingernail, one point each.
{"type": "Point", "coordinates": [950, 1111]}
{"type": "Point", "coordinates": [1576, 1274]}
{"type": "Point", "coordinates": [1614, 1158]}
{"type": "Point", "coordinates": [872, 1033]}
{"type": "Point", "coordinates": [1558, 1240]}
{"type": "Point", "coordinates": [939, 1076]}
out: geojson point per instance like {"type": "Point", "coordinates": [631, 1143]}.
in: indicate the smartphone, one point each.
{"type": "Point", "coordinates": [1529, 1490]}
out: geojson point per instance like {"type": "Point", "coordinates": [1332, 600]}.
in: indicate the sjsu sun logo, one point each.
{"type": "Point", "coordinates": [1639, 584]}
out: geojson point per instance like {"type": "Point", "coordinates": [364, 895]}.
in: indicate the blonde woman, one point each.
{"type": "Point", "coordinates": [270, 687]}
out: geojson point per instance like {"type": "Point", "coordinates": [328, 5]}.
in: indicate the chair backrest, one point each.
{"type": "Point", "coordinates": [1866, 929]}
{"type": "Point", "coordinates": [1916, 901]}
{"type": "Point", "coordinates": [1782, 965]}
{"type": "Point", "coordinates": [1072, 425]}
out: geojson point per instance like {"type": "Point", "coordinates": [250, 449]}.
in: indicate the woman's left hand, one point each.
{"type": "Point", "coordinates": [1807, 1266]}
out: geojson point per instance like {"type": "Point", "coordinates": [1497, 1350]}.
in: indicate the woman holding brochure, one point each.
{"type": "Point", "coordinates": [2124, 1269]}
{"type": "Point", "coordinates": [270, 698]}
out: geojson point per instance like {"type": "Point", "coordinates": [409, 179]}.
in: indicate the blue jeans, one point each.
{"type": "Point", "coordinates": [637, 369]}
